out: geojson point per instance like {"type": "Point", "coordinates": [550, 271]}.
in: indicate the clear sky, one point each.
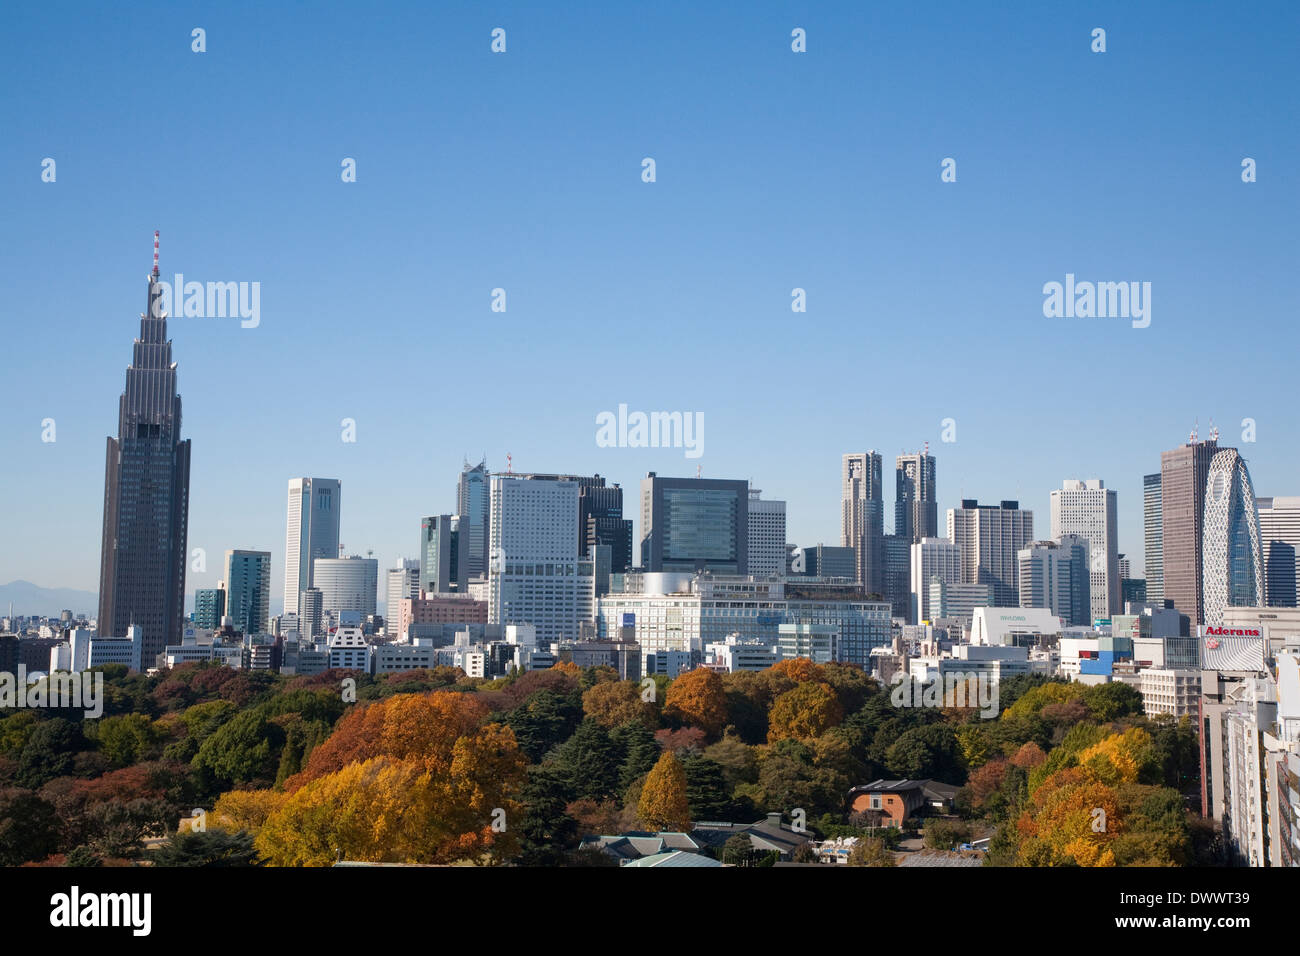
{"type": "Point", "coordinates": [522, 171]}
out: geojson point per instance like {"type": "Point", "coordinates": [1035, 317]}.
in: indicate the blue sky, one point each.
{"type": "Point", "coordinates": [775, 170]}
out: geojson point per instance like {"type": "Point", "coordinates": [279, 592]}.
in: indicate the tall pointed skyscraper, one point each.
{"type": "Point", "coordinates": [146, 494]}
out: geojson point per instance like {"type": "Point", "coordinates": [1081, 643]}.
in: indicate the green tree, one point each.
{"type": "Point", "coordinates": [244, 750]}
{"type": "Point", "coordinates": [546, 832]}
{"type": "Point", "coordinates": [640, 752]}
{"type": "Point", "coordinates": [926, 752]}
{"type": "Point", "coordinates": [213, 848]}
{"type": "Point", "coordinates": [707, 793]}
{"type": "Point", "coordinates": [82, 856]}
{"type": "Point", "coordinates": [588, 762]}
{"type": "Point", "coordinates": [544, 720]}
{"type": "Point", "coordinates": [29, 827]}
{"type": "Point", "coordinates": [49, 752]}
{"type": "Point", "coordinates": [127, 739]}
{"type": "Point", "coordinates": [871, 851]}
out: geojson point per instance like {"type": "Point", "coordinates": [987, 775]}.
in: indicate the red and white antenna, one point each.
{"type": "Point", "coordinates": [155, 252]}
{"type": "Point", "coordinates": [509, 467]}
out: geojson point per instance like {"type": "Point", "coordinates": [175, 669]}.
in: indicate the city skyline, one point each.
{"type": "Point", "coordinates": [928, 281]}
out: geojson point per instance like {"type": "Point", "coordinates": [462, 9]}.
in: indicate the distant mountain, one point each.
{"type": "Point", "coordinates": [30, 599]}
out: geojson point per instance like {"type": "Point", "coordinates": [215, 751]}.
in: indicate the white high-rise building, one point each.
{"type": "Point", "coordinates": [766, 535]}
{"type": "Point", "coordinates": [1279, 534]}
{"type": "Point", "coordinates": [990, 538]}
{"type": "Point", "coordinates": [313, 532]}
{"type": "Point", "coordinates": [534, 573]}
{"type": "Point", "coordinates": [931, 557]}
{"type": "Point", "coordinates": [347, 584]}
{"type": "Point", "coordinates": [1088, 509]}
{"type": "Point", "coordinates": [400, 583]}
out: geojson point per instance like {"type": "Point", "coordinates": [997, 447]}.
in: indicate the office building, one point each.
{"type": "Point", "coordinates": [957, 601]}
{"type": "Point", "coordinates": [248, 590]}
{"type": "Point", "coordinates": [1279, 533]}
{"type": "Point", "coordinates": [209, 607]}
{"type": "Point", "coordinates": [536, 575]}
{"type": "Point", "coordinates": [400, 583]}
{"type": "Point", "coordinates": [1088, 508]}
{"type": "Point", "coordinates": [601, 524]}
{"type": "Point", "coordinates": [766, 535]}
{"type": "Point", "coordinates": [472, 505]}
{"type": "Point", "coordinates": [916, 515]}
{"type": "Point", "coordinates": [898, 575]}
{"type": "Point", "coordinates": [683, 613]}
{"type": "Point", "coordinates": [862, 517]}
{"type": "Point", "coordinates": [694, 524]}
{"type": "Point", "coordinates": [930, 558]}
{"type": "Point", "coordinates": [311, 614]}
{"type": "Point", "coordinates": [1232, 561]}
{"type": "Point", "coordinates": [990, 538]}
{"type": "Point", "coordinates": [312, 532]}
{"type": "Point", "coordinates": [146, 493]}
{"type": "Point", "coordinates": [444, 555]}
{"type": "Point", "coordinates": [1183, 473]}
{"type": "Point", "coordinates": [1054, 575]}
{"type": "Point", "coordinates": [347, 584]}
{"type": "Point", "coordinates": [1153, 538]}
{"type": "Point", "coordinates": [822, 561]}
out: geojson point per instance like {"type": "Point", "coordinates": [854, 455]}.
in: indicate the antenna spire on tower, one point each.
{"type": "Point", "coordinates": [155, 252]}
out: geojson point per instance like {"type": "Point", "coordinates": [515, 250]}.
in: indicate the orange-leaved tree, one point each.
{"type": "Point", "coordinates": [698, 698]}
{"type": "Point", "coordinates": [663, 804]}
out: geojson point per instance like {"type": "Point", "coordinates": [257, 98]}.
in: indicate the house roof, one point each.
{"type": "Point", "coordinates": [675, 858]}
{"type": "Point", "coordinates": [766, 834]}
{"type": "Point", "coordinates": [931, 789]}
{"type": "Point", "coordinates": [637, 844]}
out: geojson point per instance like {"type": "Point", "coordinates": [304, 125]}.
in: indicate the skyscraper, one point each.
{"type": "Point", "coordinates": [400, 583]}
{"type": "Point", "coordinates": [1055, 575]}
{"type": "Point", "coordinates": [690, 524]}
{"type": "Point", "coordinates": [931, 558]}
{"type": "Point", "coordinates": [535, 574]}
{"type": "Point", "coordinates": [897, 577]}
{"type": "Point", "coordinates": [862, 517]}
{"type": "Point", "coordinates": [601, 521]}
{"type": "Point", "coordinates": [347, 584]}
{"type": "Point", "coordinates": [313, 532]}
{"type": "Point", "coordinates": [990, 538]}
{"type": "Point", "coordinates": [248, 590]}
{"type": "Point", "coordinates": [209, 607]}
{"type": "Point", "coordinates": [1232, 559]}
{"type": "Point", "coordinates": [1183, 473]}
{"type": "Point", "coordinates": [1279, 532]}
{"type": "Point", "coordinates": [472, 504]}
{"type": "Point", "coordinates": [766, 535]}
{"type": "Point", "coordinates": [916, 515]}
{"type": "Point", "coordinates": [444, 555]}
{"type": "Point", "coordinates": [1153, 539]}
{"type": "Point", "coordinates": [1088, 508]}
{"type": "Point", "coordinates": [146, 494]}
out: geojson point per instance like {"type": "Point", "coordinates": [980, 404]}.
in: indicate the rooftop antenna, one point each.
{"type": "Point", "coordinates": [927, 448]}
{"type": "Point", "coordinates": [1195, 425]}
{"type": "Point", "coordinates": [1214, 431]}
{"type": "Point", "coordinates": [155, 252]}
{"type": "Point", "coordinates": [509, 464]}
{"type": "Point", "coordinates": [698, 470]}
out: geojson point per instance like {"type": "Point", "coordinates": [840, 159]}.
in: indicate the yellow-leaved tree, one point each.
{"type": "Point", "coordinates": [663, 803]}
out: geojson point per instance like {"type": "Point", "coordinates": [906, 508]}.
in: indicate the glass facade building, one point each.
{"type": "Point", "coordinates": [694, 524]}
